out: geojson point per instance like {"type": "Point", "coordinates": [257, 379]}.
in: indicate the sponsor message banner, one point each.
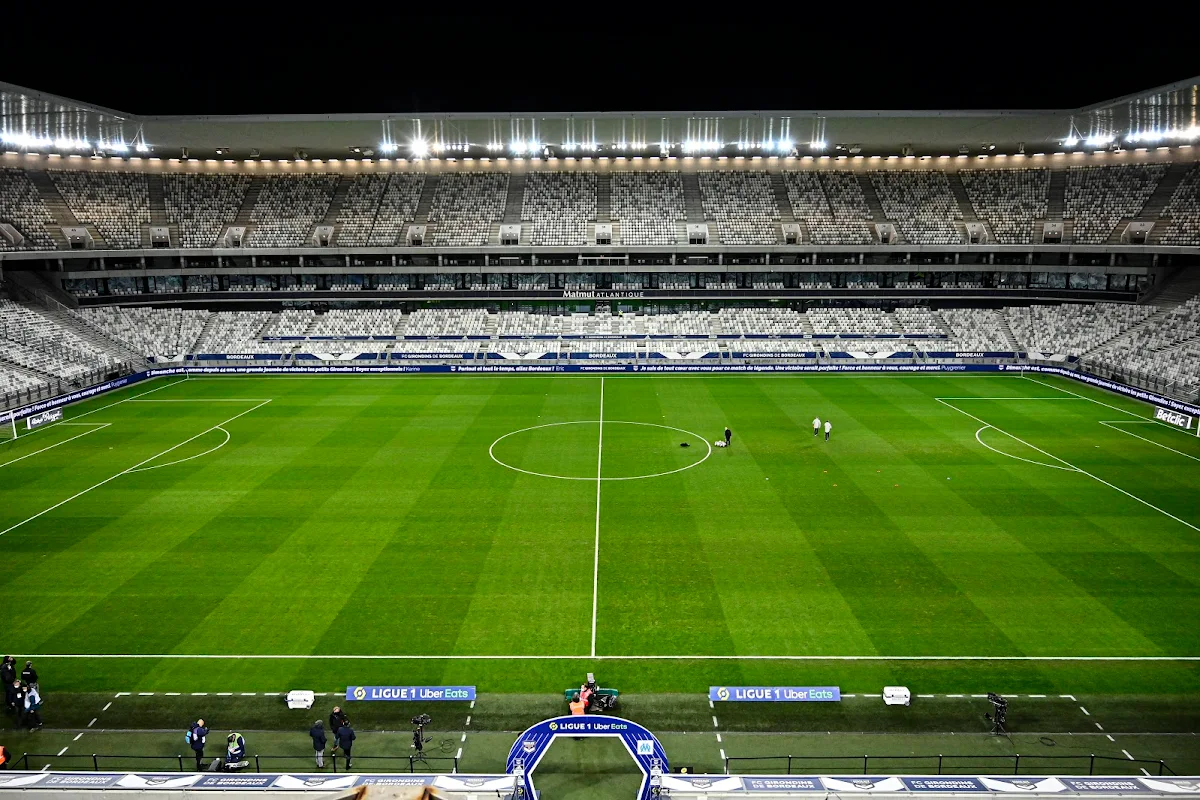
{"type": "Point", "coordinates": [782, 784]}
{"type": "Point", "coordinates": [44, 418]}
{"type": "Point", "coordinates": [1105, 785]}
{"type": "Point", "coordinates": [1176, 418]}
{"type": "Point", "coordinates": [774, 694]}
{"type": "Point", "coordinates": [410, 693]}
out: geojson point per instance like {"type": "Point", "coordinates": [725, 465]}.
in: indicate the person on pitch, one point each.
{"type": "Point", "coordinates": [828, 427]}
{"type": "Point", "coordinates": [816, 425]}
{"type": "Point", "coordinates": [728, 435]}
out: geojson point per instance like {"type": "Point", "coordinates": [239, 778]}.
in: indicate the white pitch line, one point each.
{"type": "Point", "coordinates": [1085, 711]}
{"type": "Point", "coordinates": [718, 738]}
{"type": "Point", "coordinates": [130, 469]}
{"type": "Point", "coordinates": [1067, 697]}
{"type": "Point", "coordinates": [93, 722]}
{"type": "Point", "coordinates": [459, 756]}
{"type": "Point", "coordinates": [1109, 735]}
{"type": "Point", "coordinates": [1096, 478]}
{"type": "Point", "coordinates": [78, 736]}
{"type": "Point", "coordinates": [121, 694]}
{"type": "Point", "coordinates": [145, 694]}
{"type": "Point", "coordinates": [1126, 752]}
{"type": "Point", "coordinates": [107, 706]}
{"type": "Point", "coordinates": [189, 458]}
{"type": "Point", "coordinates": [599, 483]}
{"type": "Point", "coordinates": [715, 722]}
{"type": "Point", "coordinates": [99, 427]}
{"type": "Point", "coordinates": [1144, 772]}
{"type": "Point", "coordinates": [722, 754]}
{"type": "Point", "coordinates": [464, 738]}
{"type": "Point", "coordinates": [1099, 726]}
{"type": "Point", "coordinates": [468, 720]}
{"type": "Point", "coordinates": [1037, 695]}
{"type": "Point", "coordinates": [60, 752]}
{"type": "Point", "coordinates": [1111, 425]}
{"type": "Point", "coordinates": [456, 657]}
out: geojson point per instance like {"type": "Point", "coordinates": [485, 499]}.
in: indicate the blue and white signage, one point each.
{"type": "Point", "coordinates": [774, 694]}
{"type": "Point", "coordinates": [44, 418]}
{"type": "Point", "coordinates": [412, 693]}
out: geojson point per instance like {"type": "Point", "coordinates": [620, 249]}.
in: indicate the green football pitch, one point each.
{"type": "Point", "coordinates": [956, 534]}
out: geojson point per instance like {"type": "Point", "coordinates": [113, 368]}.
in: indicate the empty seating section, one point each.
{"type": "Point", "coordinates": [831, 205]}
{"type": "Point", "coordinates": [116, 203]}
{"type": "Point", "coordinates": [559, 206]}
{"type": "Point", "coordinates": [1072, 329]}
{"type": "Point", "coordinates": [682, 323]}
{"type": "Point", "coordinates": [202, 205]}
{"type": "Point", "coordinates": [1182, 212]}
{"type": "Point", "coordinates": [41, 345]}
{"type": "Point", "coordinates": [975, 329]}
{"type": "Point", "coordinates": [770, 321]}
{"type": "Point", "coordinates": [236, 332]}
{"type": "Point", "coordinates": [648, 206]}
{"type": "Point", "coordinates": [357, 322]}
{"type": "Point", "coordinates": [13, 380]}
{"type": "Point", "coordinates": [288, 208]}
{"type": "Point", "coordinates": [397, 208]}
{"type": "Point", "coordinates": [356, 217]}
{"type": "Point", "coordinates": [1097, 198]}
{"type": "Point", "coordinates": [446, 322]}
{"type": "Point", "coordinates": [290, 322]}
{"type": "Point", "coordinates": [1008, 200]}
{"type": "Point", "coordinates": [464, 207]}
{"type": "Point", "coordinates": [149, 331]}
{"type": "Point", "coordinates": [850, 320]}
{"type": "Point", "coordinates": [743, 206]}
{"type": "Point", "coordinates": [921, 204]}
{"type": "Point", "coordinates": [916, 320]}
{"type": "Point", "coordinates": [1166, 347]}
{"type": "Point", "coordinates": [21, 206]}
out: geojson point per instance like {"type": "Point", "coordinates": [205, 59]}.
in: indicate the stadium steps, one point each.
{"type": "Point", "coordinates": [1176, 290]}
{"type": "Point", "coordinates": [603, 197]}
{"type": "Point", "coordinates": [45, 304]}
{"type": "Point", "coordinates": [1128, 332]}
{"type": "Point", "coordinates": [782, 202]}
{"type": "Point", "coordinates": [681, 233]}
{"type": "Point", "coordinates": [340, 193]}
{"type": "Point", "coordinates": [1013, 345]}
{"type": "Point", "coordinates": [515, 201]}
{"type": "Point", "coordinates": [158, 201]}
{"type": "Point", "coordinates": [692, 200]}
{"type": "Point", "coordinates": [1153, 210]}
{"type": "Point", "coordinates": [805, 325]}
{"type": "Point", "coordinates": [425, 203]}
{"type": "Point", "coordinates": [52, 199]}
{"type": "Point", "coordinates": [960, 195]}
{"type": "Point", "coordinates": [491, 329]}
{"type": "Point", "coordinates": [876, 207]}
{"type": "Point", "coordinates": [246, 210]}
{"type": "Point", "coordinates": [1056, 205]}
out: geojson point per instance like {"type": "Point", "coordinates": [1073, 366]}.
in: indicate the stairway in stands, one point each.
{"type": "Point", "coordinates": [603, 197]}
{"type": "Point", "coordinates": [965, 207]}
{"type": "Point", "coordinates": [691, 199]}
{"type": "Point", "coordinates": [424, 204]}
{"type": "Point", "coordinates": [781, 198]}
{"type": "Point", "coordinates": [1153, 209]}
{"type": "Point", "coordinates": [872, 198]}
{"type": "Point", "coordinates": [37, 292]}
{"type": "Point", "coordinates": [512, 209]}
{"type": "Point", "coordinates": [335, 205]}
{"type": "Point", "coordinates": [53, 200]}
{"type": "Point", "coordinates": [1174, 292]}
{"type": "Point", "coordinates": [1056, 207]}
{"type": "Point", "coordinates": [158, 211]}
{"type": "Point", "coordinates": [248, 202]}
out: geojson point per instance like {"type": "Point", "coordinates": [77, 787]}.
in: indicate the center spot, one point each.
{"type": "Point", "coordinates": [570, 450]}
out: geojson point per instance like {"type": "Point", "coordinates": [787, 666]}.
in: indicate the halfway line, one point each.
{"type": "Point", "coordinates": [323, 656]}
{"type": "Point", "coordinates": [599, 482]}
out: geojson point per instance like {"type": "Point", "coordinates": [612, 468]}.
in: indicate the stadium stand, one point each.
{"type": "Point", "coordinates": [446, 322]}
{"type": "Point", "coordinates": [397, 207]}
{"type": "Point", "coordinates": [201, 205]}
{"type": "Point", "coordinates": [464, 207]}
{"type": "Point", "coordinates": [921, 203]}
{"type": "Point", "coordinates": [356, 218]}
{"type": "Point", "coordinates": [742, 204]}
{"type": "Point", "coordinates": [1072, 329]}
{"type": "Point", "coordinates": [558, 207]}
{"type": "Point", "coordinates": [851, 320]}
{"type": "Point", "coordinates": [150, 331]}
{"type": "Point", "coordinates": [1009, 200]}
{"type": "Point", "coordinates": [648, 206]}
{"type": "Point", "coordinates": [1097, 198]}
{"type": "Point", "coordinates": [21, 206]}
{"type": "Point", "coordinates": [116, 203]}
{"type": "Point", "coordinates": [976, 329]}
{"type": "Point", "coordinates": [356, 322]}
{"type": "Point", "coordinates": [236, 332]}
{"type": "Point", "coordinates": [287, 209]}
{"type": "Point", "coordinates": [32, 340]}
{"type": "Point", "coordinates": [1182, 212]}
{"type": "Point", "coordinates": [831, 205]}
{"type": "Point", "coordinates": [1167, 346]}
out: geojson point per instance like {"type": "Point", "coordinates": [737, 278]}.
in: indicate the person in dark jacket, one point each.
{"type": "Point", "coordinates": [199, 734]}
{"type": "Point", "coordinates": [337, 718]}
{"type": "Point", "coordinates": [317, 732]}
{"type": "Point", "coordinates": [8, 674]}
{"type": "Point", "coordinates": [29, 675]}
{"type": "Point", "coordinates": [19, 700]}
{"type": "Point", "coordinates": [345, 740]}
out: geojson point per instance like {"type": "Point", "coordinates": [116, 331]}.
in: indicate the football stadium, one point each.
{"type": "Point", "coordinates": [611, 455]}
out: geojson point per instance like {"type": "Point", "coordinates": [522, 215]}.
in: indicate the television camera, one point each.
{"type": "Point", "coordinates": [999, 717]}
{"type": "Point", "coordinates": [418, 736]}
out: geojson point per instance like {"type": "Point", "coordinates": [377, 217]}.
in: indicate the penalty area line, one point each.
{"type": "Point", "coordinates": [99, 427]}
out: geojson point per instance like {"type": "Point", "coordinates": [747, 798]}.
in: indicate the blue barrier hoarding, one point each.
{"type": "Point", "coordinates": [774, 694]}
{"type": "Point", "coordinates": [411, 693]}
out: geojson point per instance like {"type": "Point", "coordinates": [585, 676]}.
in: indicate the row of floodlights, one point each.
{"type": "Point", "coordinates": [1144, 137]}
{"type": "Point", "coordinates": [32, 142]}
{"type": "Point", "coordinates": [419, 148]}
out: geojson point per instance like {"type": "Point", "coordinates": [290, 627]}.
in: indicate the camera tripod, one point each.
{"type": "Point", "coordinates": [418, 744]}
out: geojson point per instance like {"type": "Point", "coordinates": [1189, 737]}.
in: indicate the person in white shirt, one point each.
{"type": "Point", "coordinates": [828, 426]}
{"type": "Point", "coordinates": [816, 425]}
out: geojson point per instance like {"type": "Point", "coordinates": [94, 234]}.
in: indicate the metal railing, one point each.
{"type": "Point", "coordinates": [184, 763]}
{"type": "Point", "coordinates": [53, 387]}
{"type": "Point", "coordinates": [943, 763]}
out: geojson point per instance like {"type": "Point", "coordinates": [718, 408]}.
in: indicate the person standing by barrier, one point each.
{"type": "Point", "coordinates": [578, 707]}
{"type": "Point", "coordinates": [30, 676]}
{"type": "Point", "coordinates": [317, 732]}
{"type": "Point", "coordinates": [8, 674]}
{"type": "Point", "coordinates": [33, 706]}
{"type": "Point", "coordinates": [196, 736]}
{"type": "Point", "coordinates": [337, 718]}
{"type": "Point", "coordinates": [19, 701]}
{"type": "Point", "coordinates": [345, 740]}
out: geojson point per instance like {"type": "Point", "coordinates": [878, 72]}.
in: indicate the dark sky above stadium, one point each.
{"type": "Point", "coordinates": [242, 63]}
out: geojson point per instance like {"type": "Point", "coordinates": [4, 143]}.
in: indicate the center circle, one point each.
{"type": "Point", "coordinates": [573, 451]}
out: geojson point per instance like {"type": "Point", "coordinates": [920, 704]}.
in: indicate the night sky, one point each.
{"type": "Point", "coordinates": [756, 59]}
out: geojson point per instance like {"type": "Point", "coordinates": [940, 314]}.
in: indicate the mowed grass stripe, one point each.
{"type": "Point", "coordinates": [658, 592]}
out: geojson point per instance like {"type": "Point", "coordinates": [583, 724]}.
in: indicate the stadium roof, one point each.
{"type": "Point", "coordinates": [38, 121]}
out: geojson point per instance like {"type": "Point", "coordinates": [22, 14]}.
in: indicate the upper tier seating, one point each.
{"type": "Point", "coordinates": [921, 204]}
{"type": "Point", "coordinates": [1098, 198]}
{"type": "Point", "coordinates": [648, 206]}
{"type": "Point", "coordinates": [446, 322]}
{"type": "Point", "coordinates": [202, 205]}
{"type": "Point", "coordinates": [357, 322]}
{"type": "Point", "coordinates": [39, 343]}
{"type": "Point", "coordinates": [236, 332]}
{"type": "Point", "coordinates": [770, 321]}
{"type": "Point", "coordinates": [831, 205]}
{"type": "Point", "coordinates": [1182, 212]}
{"type": "Point", "coordinates": [1166, 347]}
{"type": "Point", "coordinates": [559, 206]}
{"type": "Point", "coordinates": [742, 204]}
{"type": "Point", "coordinates": [397, 208]}
{"type": "Point", "coordinates": [288, 208]}
{"type": "Point", "coordinates": [21, 206]}
{"type": "Point", "coordinates": [1008, 200]}
{"type": "Point", "coordinates": [464, 207]}
{"type": "Point", "coordinates": [975, 329]}
{"type": "Point", "coordinates": [851, 320]}
{"type": "Point", "coordinates": [916, 320]}
{"type": "Point", "coordinates": [117, 203]}
{"type": "Point", "coordinates": [356, 217]}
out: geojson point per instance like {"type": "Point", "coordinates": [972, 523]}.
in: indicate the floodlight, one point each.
{"type": "Point", "coordinates": [419, 148]}
{"type": "Point", "coordinates": [1098, 141]}
{"type": "Point", "coordinates": [387, 147]}
{"type": "Point", "coordinates": [1070, 141]}
{"type": "Point", "coordinates": [785, 144]}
